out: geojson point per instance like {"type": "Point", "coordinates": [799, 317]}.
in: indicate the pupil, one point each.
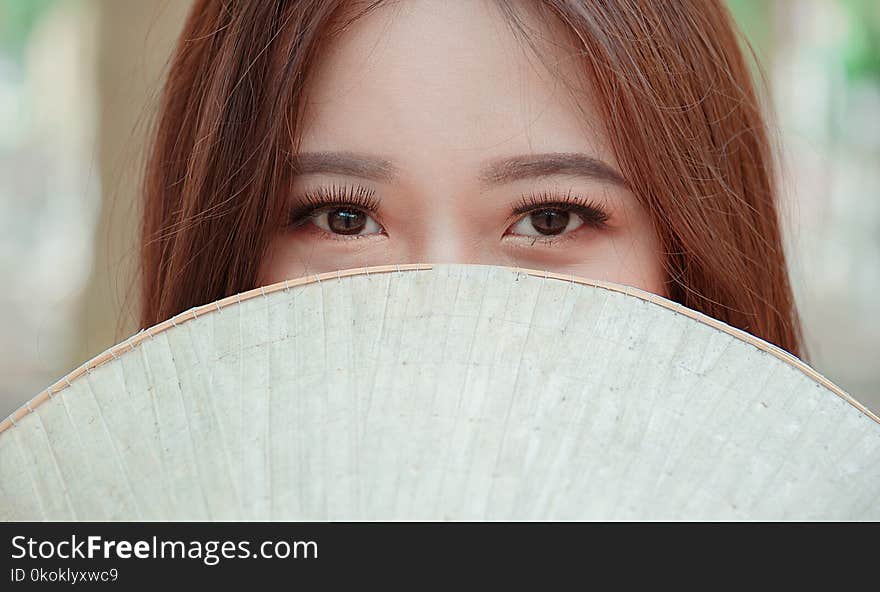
{"type": "Point", "coordinates": [343, 221]}
{"type": "Point", "coordinates": [550, 221]}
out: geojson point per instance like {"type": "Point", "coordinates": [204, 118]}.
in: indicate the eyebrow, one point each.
{"type": "Point", "coordinates": [496, 172]}
{"type": "Point", "coordinates": [507, 170]}
{"type": "Point", "coordinates": [354, 164]}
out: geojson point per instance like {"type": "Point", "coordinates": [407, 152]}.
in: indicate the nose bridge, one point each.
{"type": "Point", "coordinates": [446, 225]}
{"type": "Point", "coordinates": [443, 241]}
{"type": "Point", "coordinates": [445, 237]}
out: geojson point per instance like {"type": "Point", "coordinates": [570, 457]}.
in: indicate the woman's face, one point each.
{"type": "Point", "coordinates": [442, 138]}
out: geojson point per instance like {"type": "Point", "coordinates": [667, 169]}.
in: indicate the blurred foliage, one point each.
{"type": "Point", "coordinates": [755, 21]}
{"type": "Point", "coordinates": [17, 18]}
{"type": "Point", "coordinates": [861, 49]}
{"type": "Point", "coordinates": [858, 50]}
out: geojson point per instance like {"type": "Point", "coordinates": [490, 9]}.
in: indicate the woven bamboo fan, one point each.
{"type": "Point", "coordinates": [441, 392]}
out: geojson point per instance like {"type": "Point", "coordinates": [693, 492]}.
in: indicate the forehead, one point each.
{"type": "Point", "coordinates": [423, 81]}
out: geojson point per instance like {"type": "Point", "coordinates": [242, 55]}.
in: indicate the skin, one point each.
{"type": "Point", "coordinates": [439, 92]}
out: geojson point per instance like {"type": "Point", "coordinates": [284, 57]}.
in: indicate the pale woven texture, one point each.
{"type": "Point", "coordinates": [459, 392]}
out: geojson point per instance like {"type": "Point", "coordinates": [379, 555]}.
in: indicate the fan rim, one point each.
{"type": "Point", "coordinates": [132, 341]}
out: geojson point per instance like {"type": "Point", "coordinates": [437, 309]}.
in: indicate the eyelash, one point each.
{"type": "Point", "coordinates": [322, 198]}
{"type": "Point", "coordinates": [589, 211]}
{"type": "Point", "coordinates": [315, 201]}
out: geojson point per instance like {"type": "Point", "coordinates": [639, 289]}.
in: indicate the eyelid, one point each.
{"type": "Point", "coordinates": [590, 211]}
{"type": "Point", "coordinates": [318, 199]}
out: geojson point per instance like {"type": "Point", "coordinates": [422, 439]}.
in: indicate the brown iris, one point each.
{"type": "Point", "coordinates": [346, 221]}
{"type": "Point", "coordinates": [550, 221]}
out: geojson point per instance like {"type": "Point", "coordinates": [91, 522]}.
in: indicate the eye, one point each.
{"type": "Point", "coordinates": [547, 222]}
{"type": "Point", "coordinates": [550, 215]}
{"type": "Point", "coordinates": [346, 221]}
{"type": "Point", "coordinates": [338, 211]}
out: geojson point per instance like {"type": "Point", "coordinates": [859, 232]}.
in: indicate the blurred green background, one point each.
{"type": "Point", "coordinates": [78, 87]}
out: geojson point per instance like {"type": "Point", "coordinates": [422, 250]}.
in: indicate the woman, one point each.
{"type": "Point", "coordinates": [619, 140]}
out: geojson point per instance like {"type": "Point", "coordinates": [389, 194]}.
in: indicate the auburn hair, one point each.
{"type": "Point", "coordinates": [670, 80]}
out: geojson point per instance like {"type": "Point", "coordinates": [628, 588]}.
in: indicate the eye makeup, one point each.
{"type": "Point", "coordinates": [313, 202]}
{"type": "Point", "coordinates": [589, 211]}
{"type": "Point", "coordinates": [321, 198]}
